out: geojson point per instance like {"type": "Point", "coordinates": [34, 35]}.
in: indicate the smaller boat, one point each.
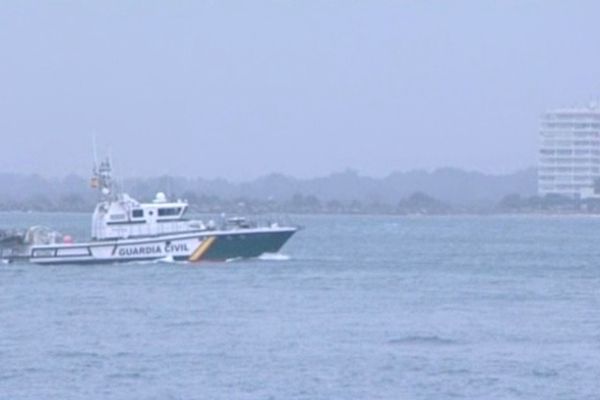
{"type": "Point", "coordinates": [125, 230]}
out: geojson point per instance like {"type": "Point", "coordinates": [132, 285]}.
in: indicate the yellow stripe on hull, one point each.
{"type": "Point", "coordinates": [202, 249]}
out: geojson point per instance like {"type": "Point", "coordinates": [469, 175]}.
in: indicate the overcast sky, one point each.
{"type": "Point", "coordinates": [240, 89]}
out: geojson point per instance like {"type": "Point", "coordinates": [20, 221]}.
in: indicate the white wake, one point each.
{"type": "Point", "coordinates": [274, 257]}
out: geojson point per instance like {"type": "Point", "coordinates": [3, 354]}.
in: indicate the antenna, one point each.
{"type": "Point", "coordinates": [109, 156]}
{"type": "Point", "coordinates": [109, 159]}
{"type": "Point", "coordinates": [94, 150]}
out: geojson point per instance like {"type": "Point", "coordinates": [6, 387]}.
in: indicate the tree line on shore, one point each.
{"type": "Point", "coordinates": [417, 203]}
{"type": "Point", "coordinates": [440, 192]}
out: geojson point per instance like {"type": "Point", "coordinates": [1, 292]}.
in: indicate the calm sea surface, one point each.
{"type": "Point", "coordinates": [360, 308]}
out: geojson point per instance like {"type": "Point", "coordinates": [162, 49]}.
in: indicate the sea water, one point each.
{"type": "Point", "coordinates": [356, 307]}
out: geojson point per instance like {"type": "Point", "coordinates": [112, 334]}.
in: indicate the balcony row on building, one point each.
{"type": "Point", "coordinates": [569, 153]}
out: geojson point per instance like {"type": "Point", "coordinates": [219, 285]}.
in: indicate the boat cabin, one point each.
{"type": "Point", "coordinates": [126, 218]}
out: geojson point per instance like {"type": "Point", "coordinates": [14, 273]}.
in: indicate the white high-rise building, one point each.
{"type": "Point", "coordinates": [569, 156]}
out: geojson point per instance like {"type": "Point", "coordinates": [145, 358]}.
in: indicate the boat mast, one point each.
{"type": "Point", "coordinates": [102, 180]}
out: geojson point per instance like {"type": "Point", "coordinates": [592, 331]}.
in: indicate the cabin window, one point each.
{"type": "Point", "coordinates": [117, 217]}
{"type": "Point", "coordinates": [137, 213]}
{"type": "Point", "coordinates": [169, 212]}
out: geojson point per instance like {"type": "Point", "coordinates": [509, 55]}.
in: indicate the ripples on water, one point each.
{"type": "Point", "coordinates": [357, 308]}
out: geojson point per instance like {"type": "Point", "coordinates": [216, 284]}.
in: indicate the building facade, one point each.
{"type": "Point", "coordinates": [569, 153]}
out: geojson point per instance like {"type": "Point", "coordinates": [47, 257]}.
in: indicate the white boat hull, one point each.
{"type": "Point", "coordinates": [193, 247]}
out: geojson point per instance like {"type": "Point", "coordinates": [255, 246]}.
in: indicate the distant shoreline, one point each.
{"type": "Point", "coordinates": [446, 191]}
{"type": "Point", "coordinates": [341, 214]}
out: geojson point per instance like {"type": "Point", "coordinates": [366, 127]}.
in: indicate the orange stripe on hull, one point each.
{"type": "Point", "coordinates": [202, 249]}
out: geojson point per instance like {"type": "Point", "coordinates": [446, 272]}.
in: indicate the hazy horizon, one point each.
{"type": "Point", "coordinates": [239, 90]}
{"type": "Point", "coordinates": [119, 174]}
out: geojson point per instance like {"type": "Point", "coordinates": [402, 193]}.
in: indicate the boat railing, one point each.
{"type": "Point", "coordinates": [170, 227]}
{"type": "Point", "coordinates": [141, 230]}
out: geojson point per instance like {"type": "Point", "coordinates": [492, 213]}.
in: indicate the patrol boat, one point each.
{"type": "Point", "coordinates": [125, 230]}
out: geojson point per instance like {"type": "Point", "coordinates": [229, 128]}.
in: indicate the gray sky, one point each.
{"type": "Point", "coordinates": [240, 89]}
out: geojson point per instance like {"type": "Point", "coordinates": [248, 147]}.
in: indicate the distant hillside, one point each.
{"type": "Point", "coordinates": [447, 187]}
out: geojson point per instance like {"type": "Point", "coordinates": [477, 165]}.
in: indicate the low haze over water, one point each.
{"type": "Point", "coordinates": [359, 307]}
